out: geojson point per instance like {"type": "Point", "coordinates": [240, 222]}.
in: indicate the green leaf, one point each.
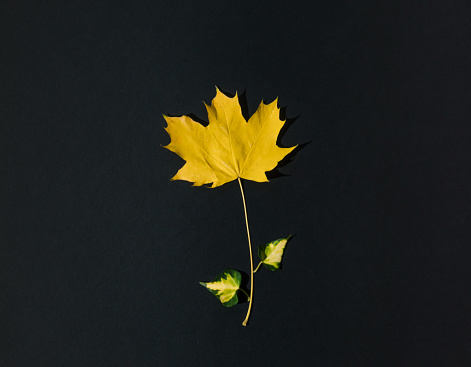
{"type": "Point", "coordinates": [272, 253]}
{"type": "Point", "coordinates": [225, 287]}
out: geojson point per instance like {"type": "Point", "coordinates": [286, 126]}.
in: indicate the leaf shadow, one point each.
{"type": "Point", "coordinates": [243, 285]}
{"type": "Point", "coordinates": [275, 173]}
{"type": "Point", "coordinates": [197, 119]}
{"type": "Point", "coordinates": [192, 116]}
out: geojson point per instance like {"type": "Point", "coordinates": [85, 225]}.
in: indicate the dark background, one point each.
{"type": "Point", "coordinates": [101, 254]}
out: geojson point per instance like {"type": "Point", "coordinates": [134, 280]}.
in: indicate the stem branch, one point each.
{"type": "Point", "coordinates": [250, 251]}
{"type": "Point", "coordinates": [248, 297]}
{"type": "Point", "coordinates": [261, 262]}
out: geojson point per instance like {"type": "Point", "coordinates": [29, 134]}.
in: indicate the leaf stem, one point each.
{"type": "Point", "coordinates": [246, 294]}
{"type": "Point", "coordinates": [261, 262]}
{"type": "Point", "coordinates": [250, 251]}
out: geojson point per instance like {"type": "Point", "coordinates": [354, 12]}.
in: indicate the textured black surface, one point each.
{"type": "Point", "coordinates": [101, 254]}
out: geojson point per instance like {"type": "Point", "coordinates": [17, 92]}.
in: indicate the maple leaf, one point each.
{"type": "Point", "coordinates": [229, 147]}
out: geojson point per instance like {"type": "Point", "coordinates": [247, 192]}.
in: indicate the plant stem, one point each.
{"type": "Point", "coordinates": [248, 297]}
{"type": "Point", "coordinates": [250, 251]}
{"type": "Point", "coordinates": [261, 262]}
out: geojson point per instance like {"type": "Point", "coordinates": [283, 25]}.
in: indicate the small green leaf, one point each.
{"type": "Point", "coordinates": [225, 287]}
{"type": "Point", "coordinates": [272, 253]}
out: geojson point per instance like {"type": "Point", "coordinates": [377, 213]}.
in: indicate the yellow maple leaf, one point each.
{"type": "Point", "coordinates": [229, 147]}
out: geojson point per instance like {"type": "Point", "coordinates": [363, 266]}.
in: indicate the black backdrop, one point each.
{"type": "Point", "coordinates": [101, 253]}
